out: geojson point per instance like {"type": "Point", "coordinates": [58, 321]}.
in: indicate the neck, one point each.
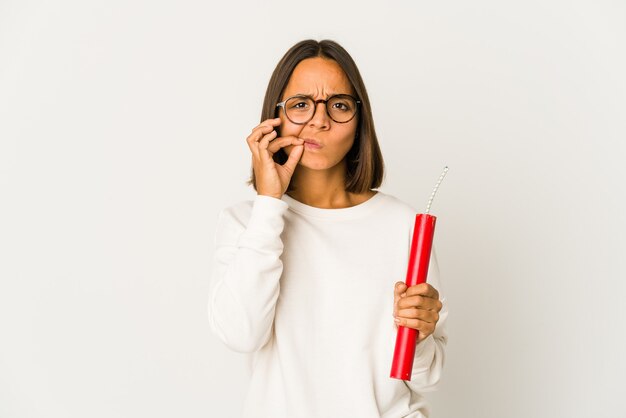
{"type": "Point", "coordinates": [324, 188]}
{"type": "Point", "coordinates": [320, 188]}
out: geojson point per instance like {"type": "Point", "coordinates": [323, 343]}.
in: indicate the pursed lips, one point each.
{"type": "Point", "coordinates": [312, 143]}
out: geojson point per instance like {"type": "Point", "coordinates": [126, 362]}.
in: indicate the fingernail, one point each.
{"type": "Point", "coordinates": [403, 295]}
{"type": "Point", "coordinates": [396, 320]}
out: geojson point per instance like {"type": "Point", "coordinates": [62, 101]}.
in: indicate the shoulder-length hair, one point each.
{"type": "Point", "coordinates": [365, 166]}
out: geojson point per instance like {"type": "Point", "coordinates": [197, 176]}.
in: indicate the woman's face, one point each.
{"type": "Point", "coordinates": [319, 78]}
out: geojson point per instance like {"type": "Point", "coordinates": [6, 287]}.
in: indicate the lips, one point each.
{"type": "Point", "coordinates": [312, 143]}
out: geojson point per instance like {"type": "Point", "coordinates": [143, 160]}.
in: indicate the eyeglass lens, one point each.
{"type": "Point", "coordinates": [301, 109]}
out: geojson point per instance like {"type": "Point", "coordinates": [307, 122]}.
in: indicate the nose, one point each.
{"type": "Point", "coordinates": [320, 118]}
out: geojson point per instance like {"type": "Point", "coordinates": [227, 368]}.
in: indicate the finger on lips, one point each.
{"type": "Point", "coordinates": [267, 138]}
{"type": "Point", "coordinates": [265, 127]}
{"type": "Point", "coordinates": [261, 131]}
{"type": "Point", "coordinates": [271, 122]}
{"type": "Point", "coordinates": [283, 142]}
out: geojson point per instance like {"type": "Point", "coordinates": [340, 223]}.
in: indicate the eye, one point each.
{"type": "Point", "coordinates": [342, 105]}
{"type": "Point", "coordinates": [299, 103]}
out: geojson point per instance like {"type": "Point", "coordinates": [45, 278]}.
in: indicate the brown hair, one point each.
{"type": "Point", "coordinates": [365, 166]}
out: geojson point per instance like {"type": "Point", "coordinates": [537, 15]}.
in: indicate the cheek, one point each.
{"type": "Point", "coordinates": [347, 139]}
{"type": "Point", "coordinates": [288, 131]}
{"type": "Point", "coordinates": [287, 128]}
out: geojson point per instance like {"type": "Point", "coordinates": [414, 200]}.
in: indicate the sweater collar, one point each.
{"type": "Point", "coordinates": [342, 213]}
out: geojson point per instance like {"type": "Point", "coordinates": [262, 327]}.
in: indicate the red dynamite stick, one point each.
{"type": "Point", "coordinates": [417, 272]}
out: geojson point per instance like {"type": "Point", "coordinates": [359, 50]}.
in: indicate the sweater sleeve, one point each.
{"type": "Point", "coordinates": [430, 353]}
{"type": "Point", "coordinates": [245, 274]}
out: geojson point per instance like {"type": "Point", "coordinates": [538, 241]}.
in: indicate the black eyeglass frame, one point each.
{"type": "Point", "coordinates": [315, 102]}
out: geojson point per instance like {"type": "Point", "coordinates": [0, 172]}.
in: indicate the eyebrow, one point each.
{"type": "Point", "coordinates": [329, 95]}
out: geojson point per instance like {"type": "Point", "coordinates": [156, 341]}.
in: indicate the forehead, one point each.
{"type": "Point", "coordinates": [318, 77]}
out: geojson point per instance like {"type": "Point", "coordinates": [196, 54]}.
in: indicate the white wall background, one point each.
{"type": "Point", "coordinates": [123, 127]}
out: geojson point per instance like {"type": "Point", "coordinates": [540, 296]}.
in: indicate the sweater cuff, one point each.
{"type": "Point", "coordinates": [424, 354]}
{"type": "Point", "coordinates": [266, 221]}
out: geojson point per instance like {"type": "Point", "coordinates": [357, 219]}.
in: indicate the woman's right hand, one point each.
{"type": "Point", "coordinates": [271, 178]}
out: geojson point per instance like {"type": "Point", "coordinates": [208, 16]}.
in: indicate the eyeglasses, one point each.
{"type": "Point", "coordinates": [300, 109]}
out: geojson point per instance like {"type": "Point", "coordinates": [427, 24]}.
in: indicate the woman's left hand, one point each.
{"type": "Point", "coordinates": [417, 307]}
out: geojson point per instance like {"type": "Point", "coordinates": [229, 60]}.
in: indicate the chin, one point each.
{"type": "Point", "coordinates": [315, 162]}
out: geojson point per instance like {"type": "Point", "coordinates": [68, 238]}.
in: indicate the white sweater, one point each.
{"type": "Point", "coordinates": [309, 293]}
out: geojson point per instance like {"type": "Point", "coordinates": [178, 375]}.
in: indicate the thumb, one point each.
{"type": "Point", "coordinates": [399, 288]}
{"type": "Point", "coordinates": [294, 157]}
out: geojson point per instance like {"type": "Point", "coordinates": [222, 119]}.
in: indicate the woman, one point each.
{"type": "Point", "coordinates": [306, 276]}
